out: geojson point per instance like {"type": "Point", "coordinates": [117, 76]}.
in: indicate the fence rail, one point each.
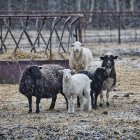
{"type": "Point", "coordinates": [15, 28]}
{"type": "Point", "coordinates": [36, 29]}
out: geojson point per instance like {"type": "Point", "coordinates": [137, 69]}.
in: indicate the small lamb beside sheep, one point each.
{"type": "Point", "coordinates": [79, 57]}
{"type": "Point", "coordinates": [108, 61]}
{"type": "Point", "coordinates": [76, 85]}
{"type": "Point", "coordinates": [98, 77]}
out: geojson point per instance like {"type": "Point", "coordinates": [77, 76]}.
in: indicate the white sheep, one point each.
{"type": "Point", "coordinates": [76, 85]}
{"type": "Point", "coordinates": [79, 57]}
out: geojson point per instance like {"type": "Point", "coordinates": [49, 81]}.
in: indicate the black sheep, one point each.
{"type": "Point", "coordinates": [42, 82]}
{"type": "Point", "coordinates": [98, 77]}
{"type": "Point", "coordinates": [109, 84]}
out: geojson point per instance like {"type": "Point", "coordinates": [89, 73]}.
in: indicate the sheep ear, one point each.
{"type": "Point", "coordinates": [35, 72]}
{"type": "Point", "coordinates": [115, 57]}
{"type": "Point", "coordinates": [40, 67]}
{"type": "Point", "coordinates": [28, 66]}
{"type": "Point", "coordinates": [102, 58]}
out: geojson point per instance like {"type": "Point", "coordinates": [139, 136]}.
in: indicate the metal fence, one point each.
{"type": "Point", "coordinates": [44, 31]}
{"type": "Point", "coordinates": [118, 27]}
{"type": "Point", "coordinates": [34, 30]}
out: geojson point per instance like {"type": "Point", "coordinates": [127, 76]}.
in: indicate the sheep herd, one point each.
{"type": "Point", "coordinates": [83, 79]}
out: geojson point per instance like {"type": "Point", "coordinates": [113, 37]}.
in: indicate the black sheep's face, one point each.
{"type": "Point", "coordinates": [34, 72]}
{"type": "Point", "coordinates": [101, 73]}
{"type": "Point", "coordinates": [108, 60]}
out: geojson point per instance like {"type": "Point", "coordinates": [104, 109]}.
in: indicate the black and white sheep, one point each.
{"type": "Point", "coordinates": [98, 77]}
{"type": "Point", "coordinates": [76, 85]}
{"type": "Point", "coordinates": [79, 57]}
{"type": "Point", "coordinates": [42, 82]}
{"type": "Point", "coordinates": [109, 63]}
{"type": "Point", "coordinates": [109, 84]}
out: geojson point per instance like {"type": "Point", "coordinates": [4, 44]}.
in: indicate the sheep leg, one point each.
{"type": "Point", "coordinates": [107, 97]}
{"type": "Point", "coordinates": [73, 103]}
{"type": "Point", "coordinates": [81, 102]}
{"type": "Point", "coordinates": [101, 99]}
{"type": "Point", "coordinates": [89, 102]}
{"type": "Point", "coordinates": [69, 105]}
{"type": "Point", "coordinates": [92, 99]}
{"type": "Point", "coordinates": [37, 104]}
{"type": "Point", "coordinates": [65, 100]}
{"type": "Point", "coordinates": [53, 103]}
{"type": "Point", "coordinates": [87, 93]}
{"type": "Point", "coordinates": [30, 104]}
{"type": "Point", "coordinates": [78, 102]}
{"type": "Point", "coordinates": [95, 101]}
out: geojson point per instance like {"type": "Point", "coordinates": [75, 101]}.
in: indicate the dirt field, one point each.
{"type": "Point", "coordinates": [119, 121]}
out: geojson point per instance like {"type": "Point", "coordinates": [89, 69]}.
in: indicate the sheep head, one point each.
{"type": "Point", "coordinates": [108, 60]}
{"type": "Point", "coordinates": [34, 72]}
{"type": "Point", "coordinates": [77, 48]}
{"type": "Point", "coordinates": [102, 73]}
{"type": "Point", "coordinates": [67, 73]}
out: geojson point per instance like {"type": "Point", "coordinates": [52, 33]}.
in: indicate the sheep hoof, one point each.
{"type": "Point", "coordinates": [51, 107]}
{"type": "Point", "coordinates": [71, 113]}
{"type": "Point", "coordinates": [94, 107]}
{"type": "Point", "coordinates": [107, 104]}
{"type": "Point", "coordinates": [78, 105]}
{"type": "Point", "coordinates": [100, 105]}
{"type": "Point", "coordinates": [37, 111]}
{"type": "Point", "coordinates": [30, 111]}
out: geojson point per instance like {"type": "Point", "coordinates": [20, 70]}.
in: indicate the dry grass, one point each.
{"type": "Point", "coordinates": [127, 79]}
{"type": "Point", "coordinates": [22, 54]}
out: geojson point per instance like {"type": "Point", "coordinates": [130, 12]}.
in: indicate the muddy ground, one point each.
{"type": "Point", "coordinates": [119, 121]}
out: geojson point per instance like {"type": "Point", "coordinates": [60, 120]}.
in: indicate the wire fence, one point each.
{"type": "Point", "coordinates": [40, 31]}
{"type": "Point", "coordinates": [34, 30]}
{"type": "Point", "coordinates": [118, 27]}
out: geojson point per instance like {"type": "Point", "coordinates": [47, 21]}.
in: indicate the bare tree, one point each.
{"type": "Point", "coordinates": [79, 3]}
{"type": "Point", "coordinates": [111, 4]}
{"type": "Point", "coordinates": [26, 5]}
{"type": "Point", "coordinates": [123, 4]}
{"type": "Point", "coordinates": [91, 10]}
{"type": "Point", "coordinates": [117, 5]}
{"type": "Point", "coordinates": [9, 5]}
{"type": "Point", "coordinates": [132, 8]}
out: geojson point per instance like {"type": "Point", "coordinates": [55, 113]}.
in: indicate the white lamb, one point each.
{"type": "Point", "coordinates": [76, 85]}
{"type": "Point", "coordinates": [79, 57]}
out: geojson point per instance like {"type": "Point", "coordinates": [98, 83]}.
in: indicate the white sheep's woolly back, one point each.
{"type": "Point", "coordinates": [93, 65]}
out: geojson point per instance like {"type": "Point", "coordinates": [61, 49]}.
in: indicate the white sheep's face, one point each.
{"type": "Point", "coordinates": [77, 48]}
{"type": "Point", "coordinates": [66, 74]}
